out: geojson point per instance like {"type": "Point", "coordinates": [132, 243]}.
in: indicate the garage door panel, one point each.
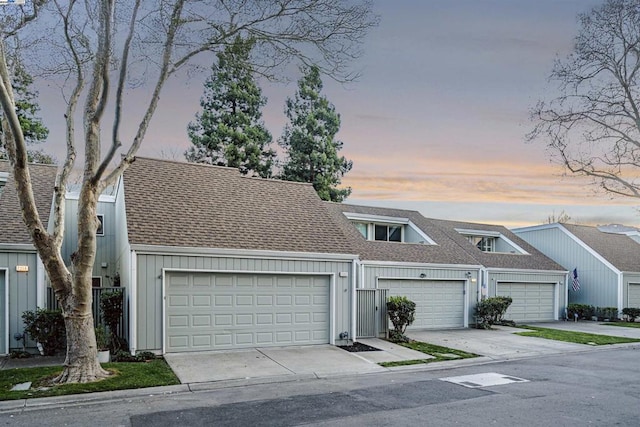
{"type": "Point", "coordinates": [439, 304]}
{"type": "Point", "coordinates": [634, 295]}
{"type": "Point", "coordinates": [531, 301]}
{"type": "Point", "coordinates": [245, 310]}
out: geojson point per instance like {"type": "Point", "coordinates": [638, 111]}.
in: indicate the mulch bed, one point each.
{"type": "Point", "coordinates": [357, 347]}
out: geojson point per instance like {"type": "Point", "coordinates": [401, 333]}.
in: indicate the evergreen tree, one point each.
{"type": "Point", "coordinates": [309, 140]}
{"type": "Point", "coordinates": [229, 130]}
{"type": "Point", "coordinates": [27, 108]}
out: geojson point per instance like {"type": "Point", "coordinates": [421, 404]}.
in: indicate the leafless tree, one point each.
{"type": "Point", "coordinates": [593, 126]}
{"type": "Point", "coordinates": [101, 48]}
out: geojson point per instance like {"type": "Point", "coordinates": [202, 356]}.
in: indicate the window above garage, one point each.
{"type": "Point", "coordinates": [491, 241]}
{"type": "Point", "coordinates": [388, 229]}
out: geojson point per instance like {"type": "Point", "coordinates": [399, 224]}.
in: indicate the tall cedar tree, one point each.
{"type": "Point", "coordinates": [229, 130]}
{"type": "Point", "coordinates": [27, 108]}
{"type": "Point", "coordinates": [309, 140]}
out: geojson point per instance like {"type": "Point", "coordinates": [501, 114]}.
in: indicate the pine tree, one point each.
{"type": "Point", "coordinates": [309, 140]}
{"type": "Point", "coordinates": [229, 130]}
{"type": "Point", "coordinates": [27, 109]}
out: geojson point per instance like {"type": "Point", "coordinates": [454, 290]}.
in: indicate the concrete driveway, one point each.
{"type": "Point", "coordinates": [319, 361]}
{"type": "Point", "coordinates": [316, 360]}
{"type": "Point", "coordinates": [499, 343]}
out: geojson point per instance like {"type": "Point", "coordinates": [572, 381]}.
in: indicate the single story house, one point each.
{"type": "Point", "coordinates": [606, 260]}
{"type": "Point", "coordinates": [22, 276]}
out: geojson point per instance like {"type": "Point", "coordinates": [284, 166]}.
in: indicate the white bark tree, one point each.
{"type": "Point", "coordinates": [95, 44]}
{"type": "Point", "coordinates": [593, 126]}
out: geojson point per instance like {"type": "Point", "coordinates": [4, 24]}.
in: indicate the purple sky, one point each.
{"type": "Point", "coordinates": [437, 121]}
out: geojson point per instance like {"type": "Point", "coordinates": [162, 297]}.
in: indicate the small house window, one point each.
{"type": "Point", "coordinates": [484, 243]}
{"type": "Point", "coordinates": [389, 233]}
{"type": "Point", "coordinates": [100, 231]}
{"type": "Point", "coordinates": [363, 229]}
{"type": "Point", "coordinates": [96, 282]}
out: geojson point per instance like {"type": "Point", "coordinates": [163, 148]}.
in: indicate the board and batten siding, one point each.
{"type": "Point", "coordinates": [149, 303]}
{"type": "Point", "coordinates": [372, 273]}
{"type": "Point", "coordinates": [22, 292]}
{"type": "Point", "coordinates": [105, 245]}
{"type": "Point", "coordinates": [598, 283]}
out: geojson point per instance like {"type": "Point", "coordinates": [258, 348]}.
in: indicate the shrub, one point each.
{"type": "Point", "coordinates": [125, 356]}
{"type": "Point", "coordinates": [610, 313]}
{"type": "Point", "coordinates": [490, 311]}
{"type": "Point", "coordinates": [102, 341]}
{"type": "Point", "coordinates": [631, 313]}
{"type": "Point", "coordinates": [401, 312]}
{"type": "Point", "coordinates": [47, 328]}
{"type": "Point", "coordinates": [111, 309]}
{"type": "Point", "coordinates": [584, 311]}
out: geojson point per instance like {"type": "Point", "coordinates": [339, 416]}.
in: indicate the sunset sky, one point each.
{"type": "Point", "coordinates": [437, 122]}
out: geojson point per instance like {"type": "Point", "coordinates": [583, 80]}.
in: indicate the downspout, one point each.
{"type": "Point", "coordinates": [620, 292]}
{"type": "Point", "coordinates": [133, 302]}
{"type": "Point", "coordinates": [41, 291]}
{"type": "Point", "coordinates": [354, 305]}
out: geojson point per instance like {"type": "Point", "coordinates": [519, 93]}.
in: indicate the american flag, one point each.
{"type": "Point", "coordinates": [575, 284]}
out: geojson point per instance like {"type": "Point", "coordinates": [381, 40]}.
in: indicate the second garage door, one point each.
{"type": "Point", "coordinates": [214, 311]}
{"type": "Point", "coordinates": [531, 301]}
{"type": "Point", "coordinates": [439, 304]}
{"type": "Point", "coordinates": [634, 295]}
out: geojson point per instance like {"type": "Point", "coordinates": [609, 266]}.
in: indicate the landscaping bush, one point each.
{"type": "Point", "coordinates": [401, 312]}
{"type": "Point", "coordinates": [47, 328]}
{"type": "Point", "coordinates": [610, 313]}
{"type": "Point", "coordinates": [631, 313]}
{"type": "Point", "coordinates": [490, 311]}
{"type": "Point", "coordinates": [584, 311]}
{"type": "Point", "coordinates": [111, 310]}
{"type": "Point", "coordinates": [125, 356]}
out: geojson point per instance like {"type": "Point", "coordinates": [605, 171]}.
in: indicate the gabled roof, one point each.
{"type": "Point", "coordinates": [12, 228]}
{"type": "Point", "coordinates": [445, 251]}
{"type": "Point", "coordinates": [533, 260]}
{"type": "Point", "coordinates": [618, 249]}
{"type": "Point", "coordinates": [179, 204]}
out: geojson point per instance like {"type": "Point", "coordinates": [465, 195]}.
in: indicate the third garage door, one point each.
{"type": "Point", "coordinates": [439, 304]}
{"type": "Point", "coordinates": [531, 301]}
{"type": "Point", "coordinates": [214, 311]}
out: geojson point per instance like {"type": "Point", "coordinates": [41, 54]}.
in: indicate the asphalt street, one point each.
{"type": "Point", "coordinates": [599, 387]}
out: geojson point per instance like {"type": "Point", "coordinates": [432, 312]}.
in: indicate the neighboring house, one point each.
{"type": "Point", "coordinates": [22, 276]}
{"type": "Point", "coordinates": [607, 262]}
{"type": "Point", "coordinates": [446, 267]}
{"type": "Point", "coordinates": [512, 267]}
{"type": "Point", "coordinates": [407, 254]}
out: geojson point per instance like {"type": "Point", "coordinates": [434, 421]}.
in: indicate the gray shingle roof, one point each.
{"type": "Point", "coordinates": [179, 204]}
{"type": "Point", "coordinates": [445, 251]}
{"type": "Point", "coordinates": [534, 260]}
{"type": "Point", "coordinates": [12, 228]}
{"type": "Point", "coordinates": [619, 249]}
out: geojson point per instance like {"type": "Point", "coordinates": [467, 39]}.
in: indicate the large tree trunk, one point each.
{"type": "Point", "coordinates": [81, 364]}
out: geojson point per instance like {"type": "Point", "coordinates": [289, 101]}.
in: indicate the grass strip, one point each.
{"type": "Point", "coordinates": [623, 324]}
{"type": "Point", "coordinates": [573, 336]}
{"type": "Point", "coordinates": [438, 353]}
{"type": "Point", "coordinates": [125, 376]}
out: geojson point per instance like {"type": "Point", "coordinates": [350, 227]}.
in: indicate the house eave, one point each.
{"type": "Point", "coordinates": [241, 253]}
{"type": "Point", "coordinates": [17, 247]}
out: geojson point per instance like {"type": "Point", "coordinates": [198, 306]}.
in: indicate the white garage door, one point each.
{"type": "Point", "coordinates": [634, 295]}
{"type": "Point", "coordinates": [439, 304]}
{"type": "Point", "coordinates": [207, 311]}
{"type": "Point", "coordinates": [532, 302]}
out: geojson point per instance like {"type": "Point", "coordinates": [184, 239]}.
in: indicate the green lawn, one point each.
{"type": "Point", "coordinates": [125, 376]}
{"type": "Point", "coordinates": [439, 354]}
{"type": "Point", "coordinates": [624, 324]}
{"type": "Point", "coordinates": [574, 337]}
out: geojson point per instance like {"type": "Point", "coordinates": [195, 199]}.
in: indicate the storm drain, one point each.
{"type": "Point", "coordinates": [487, 379]}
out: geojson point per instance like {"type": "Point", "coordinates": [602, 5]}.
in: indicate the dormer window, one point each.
{"type": "Point", "coordinates": [491, 241]}
{"type": "Point", "coordinates": [388, 229]}
{"type": "Point", "coordinates": [3, 181]}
